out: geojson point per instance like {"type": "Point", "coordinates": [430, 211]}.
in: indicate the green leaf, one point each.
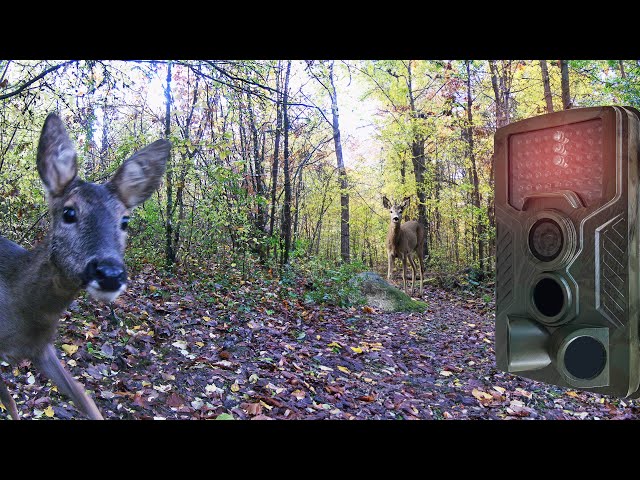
{"type": "Point", "coordinates": [225, 416]}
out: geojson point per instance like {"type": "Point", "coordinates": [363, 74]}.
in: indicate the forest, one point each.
{"type": "Point", "coordinates": [241, 302]}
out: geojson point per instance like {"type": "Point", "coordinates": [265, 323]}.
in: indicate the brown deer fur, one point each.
{"type": "Point", "coordinates": [403, 239]}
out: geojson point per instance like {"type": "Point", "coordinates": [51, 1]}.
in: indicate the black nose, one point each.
{"type": "Point", "coordinates": [109, 274]}
{"type": "Point", "coordinates": [395, 219]}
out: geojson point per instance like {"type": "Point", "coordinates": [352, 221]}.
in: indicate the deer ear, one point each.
{"type": "Point", "coordinates": [140, 175]}
{"type": "Point", "coordinates": [56, 157]}
{"type": "Point", "coordinates": [405, 202]}
{"type": "Point", "coordinates": [385, 202]}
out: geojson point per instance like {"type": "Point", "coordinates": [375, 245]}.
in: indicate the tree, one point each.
{"type": "Point", "coordinates": [286, 210]}
{"type": "Point", "coordinates": [474, 171]}
{"type": "Point", "coordinates": [564, 81]}
{"type": "Point", "coordinates": [324, 74]}
{"type": "Point", "coordinates": [547, 88]}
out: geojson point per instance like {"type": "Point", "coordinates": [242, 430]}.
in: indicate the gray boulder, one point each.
{"type": "Point", "coordinates": [380, 294]}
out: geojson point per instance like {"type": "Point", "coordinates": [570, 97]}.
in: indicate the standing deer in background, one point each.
{"type": "Point", "coordinates": [84, 248]}
{"type": "Point", "coordinates": [402, 241]}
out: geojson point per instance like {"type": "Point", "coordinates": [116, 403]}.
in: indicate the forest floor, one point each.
{"type": "Point", "coordinates": [207, 349]}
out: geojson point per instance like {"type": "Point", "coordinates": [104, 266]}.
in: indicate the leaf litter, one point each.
{"type": "Point", "coordinates": [202, 350]}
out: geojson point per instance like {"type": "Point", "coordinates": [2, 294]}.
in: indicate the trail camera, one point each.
{"type": "Point", "coordinates": [567, 264]}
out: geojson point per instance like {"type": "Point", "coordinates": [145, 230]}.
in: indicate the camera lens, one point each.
{"type": "Point", "coordinates": [585, 358]}
{"type": "Point", "coordinates": [546, 240]}
{"type": "Point", "coordinates": [548, 297]}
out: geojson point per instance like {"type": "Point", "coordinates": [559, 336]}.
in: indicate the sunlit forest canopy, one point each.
{"type": "Point", "coordinates": [286, 161]}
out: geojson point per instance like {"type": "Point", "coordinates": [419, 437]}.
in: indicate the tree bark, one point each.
{"type": "Point", "coordinates": [286, 210]}
{"type": "Point", "coordinates": [621, 66]}
{"type": "Point", "coordinates": [276, 151]}
{"type": "Point", "coordinates": [170, 256]}
{"type": "Point", "coordinates": [564, 81]}
{"type": "Point", "coordinates": [344, 184]}
{"type": "Point", "coordinates": [418, 160]}
{"type": "Point", "coordinates": [547, 86]}
{"type": "Point", "coordinates": [474, 171]}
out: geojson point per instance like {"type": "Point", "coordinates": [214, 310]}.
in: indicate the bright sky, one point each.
{"type": "Point", "coordinates": [356, 118]}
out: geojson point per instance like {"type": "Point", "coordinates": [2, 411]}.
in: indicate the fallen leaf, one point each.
{"type": "Point", "coordinates": [224, 416]}
{"type": "Point", "coordinates": [573, 394]}
{"type": "Point", "coordinates": [299, 394]}
{"type": "Point", "coordinates": [261, 417]}
{"type": "Point", "coordinates": [483, 397]}
{"type": "Point", "coordinates": [446, 373]}
{"type": "Point", "coordinates": [499, 389]}
{"type": "Point", "coordinates": [70, 349]}
{"type": "Point", "coordinates": [366, 398]}
{"type": "Point", "coordinates": [49, 411]}
{"type": "Point", "coordinates": [252, 408]}
{"type": "Point", "coordinates": [334, 389]}
{"type": "Point", "coordinates": [524, 393]}
{"type": "Point", "coordinates": [200, 344]}
{"type": "Point", "coordinates": [235, 387]}
{"type": "Point", "coordinates": [356, 349]}
{"type": "Point", "coordinates": [367, 309]}
{"type": "Point", "coordinates": [174, 400]}
{"type": "Point", "coordinates": [343, 369]}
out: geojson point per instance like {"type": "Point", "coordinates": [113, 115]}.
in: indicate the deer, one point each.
{"type": "Point", "coordinates": [403, 239]}
{"type": "Point", "coordinates": [82, 249]}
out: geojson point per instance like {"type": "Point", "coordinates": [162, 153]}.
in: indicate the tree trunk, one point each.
{"type": "Point", "coordinates": [276, 151]}
{"type": "Point", "coordinates": [344, 184]}
{"type": "Point", "coordinates": [621, 66]}
{"type": "Point", "coordinates": [286, 211]}
{"type": "Point", "coordinates": [547, 86]}
{"type": "Point", "coordinates": [501, 118]}
{"type": "Point", "coordinates": [418, 160]}
{"type": "Point", "coordinates": [564, 80]}
{"type": "Point", "coordinates": [474, 171]}
{"type": "Point", "coordinates": [170, 256]}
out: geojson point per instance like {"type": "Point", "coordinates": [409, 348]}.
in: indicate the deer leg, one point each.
{"type": "Point", "coordinates": [413, 273]}
{"type": "Point", "coordinates": [49, 364]}
{"type": "Point", "coordinates": [404, 273]}
{"type": "Point", "coordinates": [7, 401]}
{"type": "Point", "coordinates": [421, 261]}
{"type": "Point", "coordinates": [390, 269]}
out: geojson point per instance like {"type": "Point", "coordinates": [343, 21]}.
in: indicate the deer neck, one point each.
{"type": "Point", "coordinates": [393, 236]}
{"type": "Point", "coordinates": [44, 291]}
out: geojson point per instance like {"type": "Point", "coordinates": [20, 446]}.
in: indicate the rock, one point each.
{"type": "Point", "coordinates": [386, 297]}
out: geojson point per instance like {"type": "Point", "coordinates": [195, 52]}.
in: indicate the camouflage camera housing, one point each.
{"type": "Point", "coordinates": [567, 263]}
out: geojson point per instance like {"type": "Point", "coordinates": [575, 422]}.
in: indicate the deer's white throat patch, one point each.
{"type": "Point", "coordinates": [104, 296]}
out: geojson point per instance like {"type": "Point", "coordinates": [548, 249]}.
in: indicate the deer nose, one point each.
{"type": "Point", "coordinates": [395, 219]}
{"type": "Point", "coordinates": [109, 275]}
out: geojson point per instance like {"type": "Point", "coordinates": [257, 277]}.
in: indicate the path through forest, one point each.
{"type": "Point", "coordinates": [196, 351]}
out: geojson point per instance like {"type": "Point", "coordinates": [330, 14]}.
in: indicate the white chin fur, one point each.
{"type": "Point", "coordinates": [107, 297]}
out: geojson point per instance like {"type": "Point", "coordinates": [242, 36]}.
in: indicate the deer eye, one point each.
{"type": "Point", "coordinates": [69, 215]}
{"type": "Point", "coordinates": [125, 223]}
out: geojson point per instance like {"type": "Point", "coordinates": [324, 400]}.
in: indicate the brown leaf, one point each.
{"type": "Point", "coordinates": [224, 355]}
{"type": "Point", "coordinates": [174, 400]}
{"type": "Point", "coordinates": [483, 397]}
{"type": "Point", "coordinates": [335, 389]}
{"type": "Point", "coordinates": [261, 417]}
{"type": "Point", "coordinates": [252, 408]}
{"type": "Point", "coordinates": [366, 398]}
{"type": "Point", "coordinates": [139, 400]}
{"type": "Point", "coordinates": [299, 394]}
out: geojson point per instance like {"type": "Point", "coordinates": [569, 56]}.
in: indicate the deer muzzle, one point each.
{"type": "Point", "coordinates": [105, 280]}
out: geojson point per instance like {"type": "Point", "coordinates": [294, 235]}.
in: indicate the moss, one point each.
{"type": "Point", "coordinates": [386, 297]}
